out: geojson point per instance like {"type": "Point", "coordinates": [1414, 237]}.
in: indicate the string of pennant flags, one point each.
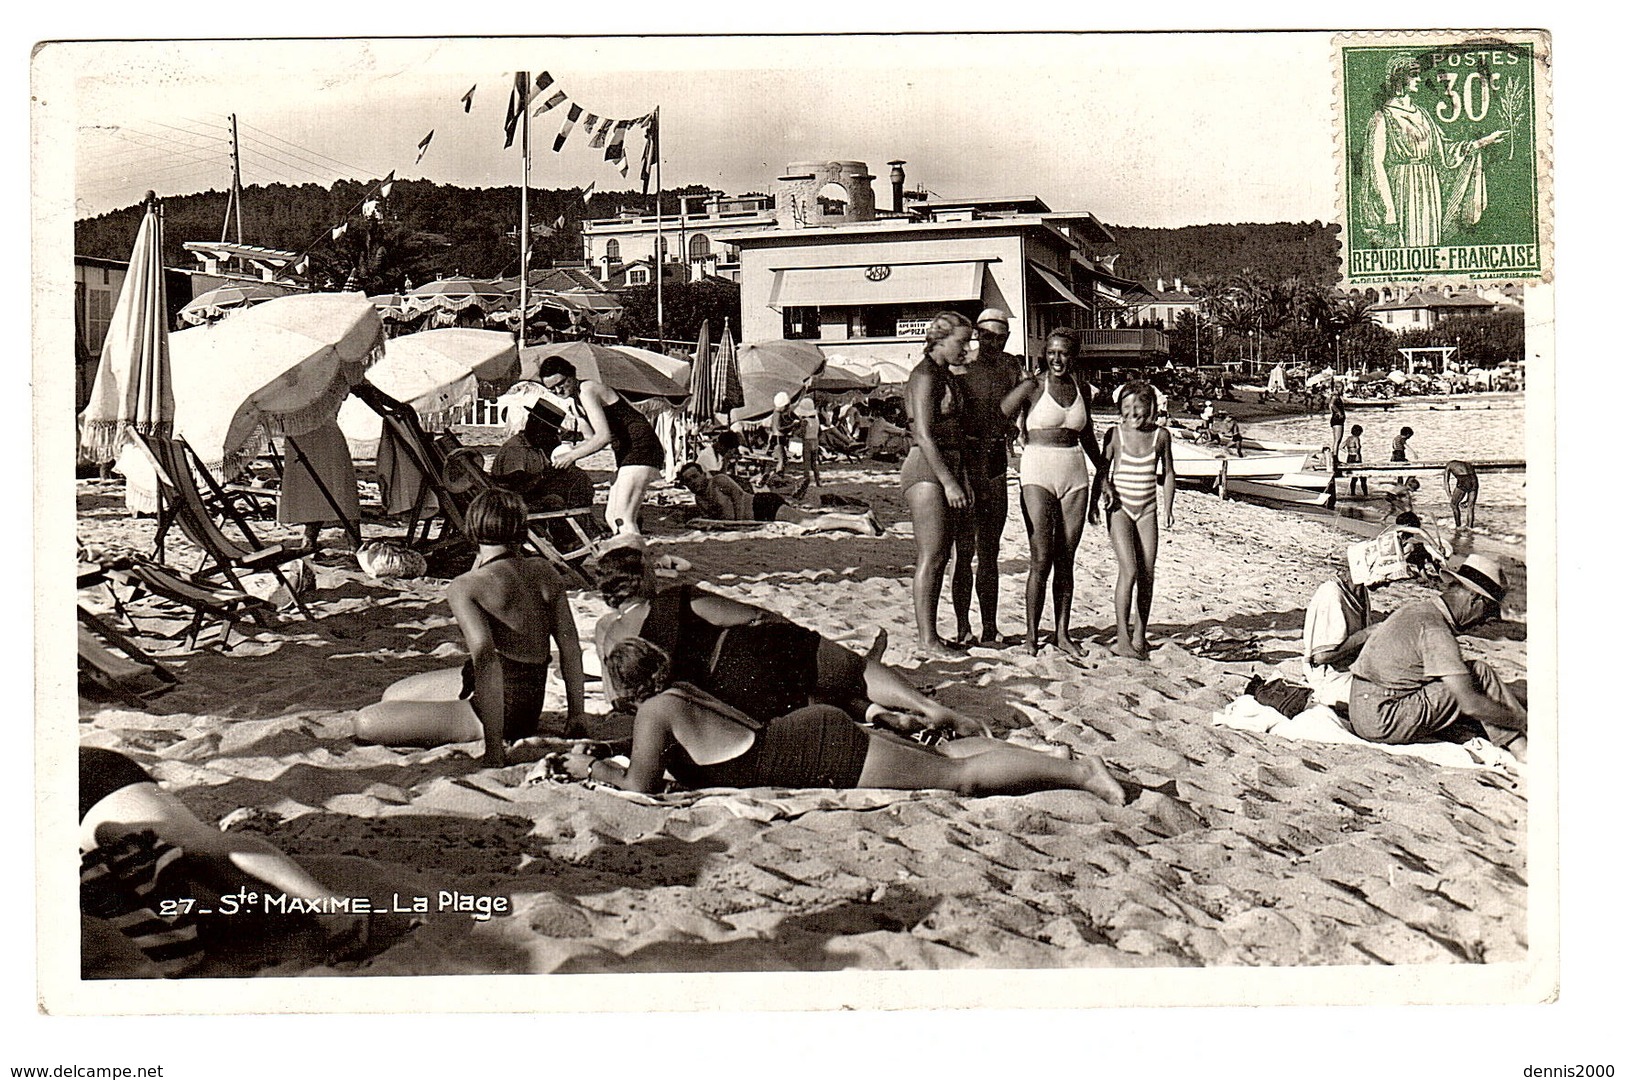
{"type": "Point", "coordinates": [602, 132]}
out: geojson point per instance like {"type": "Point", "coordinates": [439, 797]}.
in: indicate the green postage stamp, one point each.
{"type": "Point", "coordinates": [1445, 162]}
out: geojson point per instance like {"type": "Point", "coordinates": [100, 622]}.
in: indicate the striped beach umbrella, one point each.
{"type": "Point", "coordinates": [722, 390]}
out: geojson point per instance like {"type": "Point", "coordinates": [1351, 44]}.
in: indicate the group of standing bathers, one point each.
{"type": "Point", "coordinates": [964, 406]}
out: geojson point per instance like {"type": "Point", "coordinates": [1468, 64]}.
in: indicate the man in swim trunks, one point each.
{"type": "Point", "coordinates": [1411, 681]}
{"type": "Point", "coordinates": [987, 375]}
{"type": "Point", "coordinates": [1461, 484]}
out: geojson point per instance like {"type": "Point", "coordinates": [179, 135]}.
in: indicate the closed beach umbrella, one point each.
{"type": "Point", "coordinates": [706, 394]}
{"type": "Point", "coordinates": [725, 371]}
{"type": "Point", "coordinates": [285, 365]}
{"type": "Point", "coordinates": [456, 294]}
{"type": "Point", "coordinates": [614, 369]}
{"type": "Point", "coordinates": [133, 394]}
{"type": "Point", "coordinates": [221, 301]}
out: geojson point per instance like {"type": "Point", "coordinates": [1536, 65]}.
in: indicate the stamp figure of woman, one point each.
{"type": "Point", "coordinates": [1419, 186]}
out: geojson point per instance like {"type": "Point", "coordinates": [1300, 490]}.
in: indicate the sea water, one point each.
{"type": "Point", "coordinates": [1471, 427]}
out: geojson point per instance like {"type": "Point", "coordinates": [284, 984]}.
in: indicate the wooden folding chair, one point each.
{"type": "Point", "coordinates": [201, 599]}
{"type": "Point", "coordinates": [184, 505]}
{"type": "Point", "coordinates": [132, 677]}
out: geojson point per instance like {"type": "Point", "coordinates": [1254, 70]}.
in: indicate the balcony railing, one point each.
{"type": "Point", "coordinates": [1138, 341]}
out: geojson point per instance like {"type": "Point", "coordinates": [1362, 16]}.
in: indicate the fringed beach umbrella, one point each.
{"type": "Point", "coordinates": [838, 380]}
{"type": "Point", "coordinates": [453, 295]}
{"type": "Point", "coordinates": [389, 306]}
{"type": "Point", "coordinates": [222, 301]}
{"type": "Point", "coordinates": [133, 394]}
{"type": "Point", "coordinates": [434, 372]}
{"type": "Point", "coordinates": [284, 366]}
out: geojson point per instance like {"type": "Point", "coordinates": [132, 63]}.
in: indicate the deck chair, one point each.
{"type": "Point", "coordinates": [183, 504]}
{"type": "Point", "coordinates": [457, 476]}
{"type": "Point", "coordinates": [128, 673]}
{"type": "Point", "coordinates": [203, 601]}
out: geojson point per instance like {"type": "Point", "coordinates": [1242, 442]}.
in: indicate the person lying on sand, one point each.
{"type": "Point", "coordinates": [157, 884]}
{"type": "Point", "coordinates": [705, 742]}
{"type": "Point", "coordinates": [1411, 681]}
{"type": "Point", "coordinates": [753, 659]}
{"type": "Point", "coordinates": [508, 607]}
{"type": "Point", "coordinates": [720, 498]}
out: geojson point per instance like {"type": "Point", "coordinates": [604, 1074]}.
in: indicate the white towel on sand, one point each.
{"type": "Point", "coordinates": [1319, 723]}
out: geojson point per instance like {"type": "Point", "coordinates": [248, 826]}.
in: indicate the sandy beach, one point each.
{"type": "Point", "coordinates": [1291, 853]}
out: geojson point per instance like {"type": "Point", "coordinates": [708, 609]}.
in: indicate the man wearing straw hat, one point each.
{"type": "Point", "coordinates": [1411, 681]}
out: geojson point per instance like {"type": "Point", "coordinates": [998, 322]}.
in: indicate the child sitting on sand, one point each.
{"type": "Point", "coordinates": [508, 607]}
{"type": "Point", "coordinates": [1140, 464]}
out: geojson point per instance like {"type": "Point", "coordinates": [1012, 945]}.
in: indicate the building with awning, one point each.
{"type": "Point", "coordinates": [864, 284]}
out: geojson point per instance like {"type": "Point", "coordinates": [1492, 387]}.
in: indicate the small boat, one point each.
{"type": "Point", "coordinates": [1370, 403]}
{"type": "Point", "coordinates": [1193, 462]}
{"type": "Point", "coordinates": [1298, 489]}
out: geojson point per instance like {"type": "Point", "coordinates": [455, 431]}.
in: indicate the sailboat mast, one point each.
{"type": "Point", "coordinates": [524, 201]}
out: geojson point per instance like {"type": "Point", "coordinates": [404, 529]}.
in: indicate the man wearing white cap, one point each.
{"type": "Point", "coordinates": [1411, 681]}
{"type": "Point", "coordinates": [988, 374]}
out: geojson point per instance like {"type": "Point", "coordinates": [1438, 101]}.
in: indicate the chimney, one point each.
{"type": "Point", "coordinates": [1159, 285]}
{"type": "Point", "coordinates": [897, 185]}
{"type": "Point", "coordinates": [1178, 287]}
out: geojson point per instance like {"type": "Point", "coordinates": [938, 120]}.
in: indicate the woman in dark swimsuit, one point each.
{"type": "Point", "coordinates": [510, 610]}
{"type": "Point", "coordinates": [755, 660]}
{"type": "Point", "coordinates": [704, 742]}
{"type": "Point", "coordinates": [933, 477]}
{"type": "Point", "coordinates": [616, 424]}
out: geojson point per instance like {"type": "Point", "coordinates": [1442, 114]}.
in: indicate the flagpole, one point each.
{"type": "Point", "coordinates": [660, 255]}
{"type": "Point", "coordinates": [524, 201]}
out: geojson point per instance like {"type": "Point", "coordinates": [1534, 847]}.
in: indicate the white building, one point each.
{"type": "Point", "coordinates": [700, 235]}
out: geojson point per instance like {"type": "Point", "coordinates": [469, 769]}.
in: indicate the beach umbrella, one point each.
{"type": "Point", "coordinates": [799, 360]}
{"type": "Point", "coordinates": [283, 366]}
{"type": "Point", "coordinates": [133, 392]}
{"type": "Point", "coordinates": [388, 305]}
{"type": "Point", "coordinates": [839, 380]}
{"type": "Point", "coordinates": [672, 367]}
{"type": "Point", "coordinates": [449, 296]}
{"type": "Point", "coordinates": [221, 301]}
{"type": "Point", "coordinates": [890, 371]}
{"type": "Point", "coordinates": [1318, 378]}
{"type": "Point", "coordinates": [725, 368]}
{"type": "Point", "coordinates": [433, 371]}
{"type": "Point", "coordinates": [614, 369]}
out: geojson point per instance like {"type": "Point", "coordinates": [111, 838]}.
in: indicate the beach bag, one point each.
{"type": "Point", "coordinates": [381, 559]}
{"type": "Point", "coordinates": [299, 575]}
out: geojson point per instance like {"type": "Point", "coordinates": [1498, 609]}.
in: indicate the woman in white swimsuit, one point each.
{"type": "Point", "coordinates": [1054, 479]}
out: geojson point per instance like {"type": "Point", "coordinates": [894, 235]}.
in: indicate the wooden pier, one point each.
{"type": "Point", "coordinates": [1385, 468]}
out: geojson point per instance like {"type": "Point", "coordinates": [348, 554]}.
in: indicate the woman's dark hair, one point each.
{"type": "Point", "coordinates": [619, 575]}
{"type": "Point", "coordinates": [640, 669]}
{"type": "Point", "coordinates": [496, 516]}
{"type": "Point", "coordinates": [1068, 337]}
{"type": "Point", "coordinates": [555, 365]}
{"type": "Point", "coordinates": [943, 326]}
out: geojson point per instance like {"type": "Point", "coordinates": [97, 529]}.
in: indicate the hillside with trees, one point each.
{"type": "Point", "coordinates": [1305, 251]}
{"type": "Point", "coordinates": [426, 230]}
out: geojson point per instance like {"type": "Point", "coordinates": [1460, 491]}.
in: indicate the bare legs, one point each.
{"type": "Point", "coordinates": [1135, 543]}
{"type": "Point", "coordinates": [625, 499]}
{"type": "Point", "coordinates": [982, 533]}
{"type": "Point", "coordinates": [421, 710]}
{"type": "Point", "coordinates": [982, 767]}
{"type": "Point", "coordinates": [1054, 528]}
{"type": "Point", "coordinates": [934, 524]}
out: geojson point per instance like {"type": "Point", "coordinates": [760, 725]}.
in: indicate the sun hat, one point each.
{"type": "Point", "coordinates": [781, 400]}
{"type": "Point", "coordinates": [993, 315]}
{"type": "Point", "coordinates": [1483, 575]}
{"type": "Point", "coordinates": [806, 407]}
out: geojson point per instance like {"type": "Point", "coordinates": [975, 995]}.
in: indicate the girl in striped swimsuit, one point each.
{"type": "Point", "coordinates": [1140, 465]}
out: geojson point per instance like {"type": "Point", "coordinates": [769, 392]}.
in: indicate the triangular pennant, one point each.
{"type": "Point", "coordinates": [617, 149]}
{"type": "Point", "coordinates": [651, 149]}
{"type": "Point", "coordinates": [559, 98]}
{"type": "Point", "coordinates": [340, 230]}
{"type": "Point", "coordinates": [387, 186]}
{"type": "Point", "coordinates": [597, 142]}
{"type": "Point", "coordinates": [586, 195]}
{"type": "Point", "coordinates": [516, 109]}
{"type": "Point", "coordinates": [570, 119]}
{"type": "Point", "coordinates": [424, 145]}
{"type": "Point", "coordinates": [468, 98]}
